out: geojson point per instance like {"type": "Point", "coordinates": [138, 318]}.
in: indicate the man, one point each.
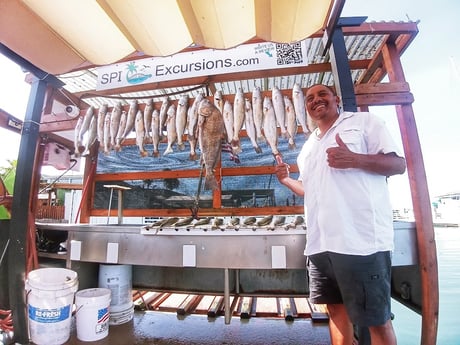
{"type": "Point", "coordinates": [343, 170]}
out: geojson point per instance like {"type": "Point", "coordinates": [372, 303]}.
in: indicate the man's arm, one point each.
{"type": "Point", "coordinates": [386, 164]}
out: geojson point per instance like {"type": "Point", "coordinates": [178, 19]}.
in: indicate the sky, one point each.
{"type": "Point", "coordinates": [431, 66]}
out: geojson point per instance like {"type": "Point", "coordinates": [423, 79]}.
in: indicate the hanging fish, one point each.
{"type": "Point", "coordinates": [278, 106]}
{"type": "Point", "coordinates": [163, 114]}
{"type": "Point", "coordinates": [192, 129]}
{"type": "Point", "coordinates": [219, 100]}
{"type": "Point", "coordinates": [249, 125]}
{"type": "Point", "coordinates": [298, 100]}
{"type": "Point", "coordinates": [77, 141]}
{"type": "Point", "coordinates": [210, 131]}
{"type": "Point", "coordinates": [238, 120]}
{"type": "Point", "coordinates": [181, 120]}
{"type": "Point", "coordinates": [92, 136]}
{"type": "Point", "coordinates": [228, 120]}
{"type": "Point", "coordinates": [100, 125]}
{"type": "Point", "coordinates": [148, 111]}
{"type": "Point", "coordinates": [171, 128]}
{"type": "Point", "coordinates": [270, 129]}
{"type": "Point", "coordinates": [258, 113]}
{"type": "Point", "coordinates": [121, 130]}
{"type": "Point", "coordinates": [130, 119]}
{"type": "Point", "coordinates": [84, 128]}
{"type": "Point", "coordinates": [107, 137]}
{"type": "Point", "coordinates": [291, 122]}
{"type": "Point", "coordinates": [140, 132]}
{"type": "Point", "coordinates": [156, 133]}
{"type": "Point", "coordinates": [115, 123]}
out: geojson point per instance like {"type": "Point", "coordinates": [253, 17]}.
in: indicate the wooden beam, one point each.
{"type": "Point", "coordinates": [421, 204]}
{"type": "Point", "coordinates": [392, 98]}
{"type": "Point", "coordinates": [10, 122]}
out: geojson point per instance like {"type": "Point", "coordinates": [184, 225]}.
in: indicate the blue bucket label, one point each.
{"type": "Point", "coordinates": [49, 315]}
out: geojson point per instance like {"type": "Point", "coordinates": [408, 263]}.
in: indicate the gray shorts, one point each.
{"type": "Point", "coordinates": [361, 283]}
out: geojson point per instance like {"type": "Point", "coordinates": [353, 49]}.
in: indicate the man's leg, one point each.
{"type": "Point", "coordinates": [340, 326]}
{"type": "Point", "coordinates": [383, 334]}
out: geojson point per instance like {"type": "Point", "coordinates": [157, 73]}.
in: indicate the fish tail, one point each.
{"type": "Point", "coordinates": [181, 146]}
{"type": "Point", "coordinates": [144, 153]}
{"type": "Point", "coordinates": [156, 153]}
{"type": "Point", "coordinates": [210, 182]}
{"type": "Point", "coordinates": [193, 156]}
{"type": "Point", "coordinates": [168, 151]}
{"type": "Point", "coordinates": [257, 149]}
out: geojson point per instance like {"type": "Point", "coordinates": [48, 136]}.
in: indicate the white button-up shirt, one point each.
{"type": "Point", "coordinates": [348, 211]}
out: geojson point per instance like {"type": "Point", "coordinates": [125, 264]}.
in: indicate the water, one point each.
{"type": "Point", "coordinates": [407, 324]}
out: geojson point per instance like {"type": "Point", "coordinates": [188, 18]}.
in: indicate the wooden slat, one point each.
{"type": "Point", "coordinates": [188, 304]}
{"type": "Point", "coordinates": [246, 307]}
{"type": "Point", "coordinates": [267, 306]}
{"type": "Point", "coordinates": [216, 306]}
{"type": "Point", "coordinates": [318, 312]}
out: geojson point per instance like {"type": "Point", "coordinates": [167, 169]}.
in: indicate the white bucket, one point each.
{"type": "Point", "coordinates": [92, 315]}
{"type": "Point", "coordinates": [118, 278]}
{"type": "Point", "coordinates": [50, 294]}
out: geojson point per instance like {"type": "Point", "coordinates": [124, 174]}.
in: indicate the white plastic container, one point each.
{"type": "Point", "coordinates": [50, 294]}
{"type": "Point", "coordinates": [92, 315]}
{"type": "Point", "coordinates": [118, 278]}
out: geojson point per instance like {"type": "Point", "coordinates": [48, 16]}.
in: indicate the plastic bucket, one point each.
{"type": "Point", "coordinates": [50, 295]}
{"type": "Point", "coordinates": [118, 278]}
{"type": "Point", "coordinates": [92, 316]}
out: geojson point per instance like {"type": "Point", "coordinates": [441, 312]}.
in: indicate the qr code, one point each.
{"type": "Point", "coordinates": [289, 53]}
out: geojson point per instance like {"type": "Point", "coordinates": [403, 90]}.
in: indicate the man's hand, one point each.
{"type": "Point", "coordinates": [281, 169]}
{"type": "Point", "coordinates": [341, 157]}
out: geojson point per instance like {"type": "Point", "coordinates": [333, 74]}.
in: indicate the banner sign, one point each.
{"type": "Point", "coordinates": [246, 57]}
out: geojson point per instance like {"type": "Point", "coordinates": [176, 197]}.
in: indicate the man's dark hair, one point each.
{"type": "Point", "coordinates": [332, 88]}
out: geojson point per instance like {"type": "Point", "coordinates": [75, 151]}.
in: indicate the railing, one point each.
{"type": "Point", "coordinates": [50, 212]}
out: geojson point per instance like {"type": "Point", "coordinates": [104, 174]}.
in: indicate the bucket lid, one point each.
{"type": "Point", "coordinates": [51, 278]}
{"type": "Point", "coordinates": [93, 295]}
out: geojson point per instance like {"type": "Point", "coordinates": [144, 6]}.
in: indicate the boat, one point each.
{"type": "Point", "coordinates": [67, 82]}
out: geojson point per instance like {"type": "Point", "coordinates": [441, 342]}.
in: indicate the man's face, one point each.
{"type": "Point", "coordinates": [321, 103]}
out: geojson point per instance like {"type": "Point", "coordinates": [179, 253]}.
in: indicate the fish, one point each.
{"type": "Point", "coordinates": [130, 119]}
{"type": "Point", "coordinates": [171, 128]}
{"type": "Point", "coordinates": [181, 120]}
{"type": "Point", "coordinates": [291, 122]}
{"type": "Point", "coordinates": [210, 131]}
{"type": "Point", "coordinates": [100, 125]}
{"type": "Point", "coordinates": [155, 133]}
{"type": "Point", "coordinates": [270, 130]}
{"type": "Point", "coordinates": [107, 137]}
{"type": "Point", "coordinates": [163, 114]}
{"type": "Point", "coordinates": [84, 128]}
{"type": "Point", "coordinates": [185, 221]}
{"type": "Point", "coordinates": [265, 221]}
{"type": "Point", "coordinates": [249, 125]}
{"type": "Point", "coordinates": [217, 223]}
{"type": "Point", "coordinates": [203, 221]}
{"type": "Point", "coordinates": [115, 123]}
{"type": "Point", "coordinates": [219, 101]}
{"type": "Point", "coordinates": [250, 221]}
{"type": "Point", "coordinates": [192, 128]}
{"type": "Point", "coordinates": [77, 142]}
{"type": "Point", "coordinates": [92, 136]}
{"type": "Point", "coordinates": [238, 120]}
{"type": "Point", "coordinates": [297, 221]}
{"type": "Point", "coordinates": [170, 221]}
{"type": "Point", "coordinates": [258, 113]}
{"type": "Point", "coordinates": [148, 111]}
{"type": "Point", "coordinates": [278, 221]}
{"type": "Point", "coordinates": [278, 106]}
{"type": "Point", "coordinates": [298, 100]}
{"type": "Point", "coordinates": [234, 221]}
{"type": "Point", "coordinates": [121, 130]}
{"type": "Point", "coordinates": [228, 120]}
{"type": "Point", "coordinates": [140, 132]}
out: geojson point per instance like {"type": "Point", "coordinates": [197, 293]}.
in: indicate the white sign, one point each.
{"type": "Point", "coordinates": [247, 57]}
